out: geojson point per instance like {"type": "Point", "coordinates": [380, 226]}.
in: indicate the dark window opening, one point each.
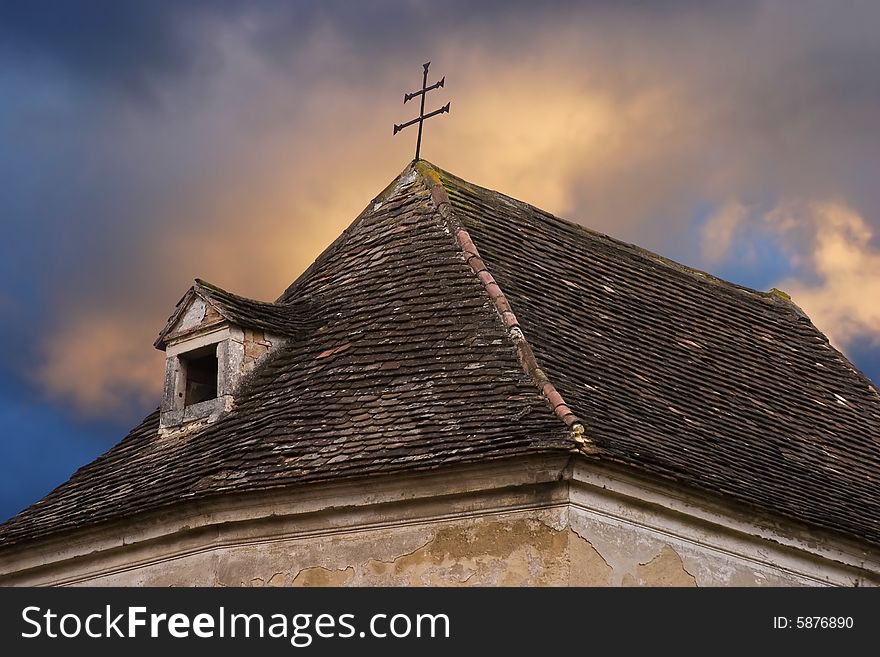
{"type": "Point", "coordinates": [201, 375]}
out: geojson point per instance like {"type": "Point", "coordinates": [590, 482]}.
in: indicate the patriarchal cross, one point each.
{"type": "Point", "coordinates": [422, 116]}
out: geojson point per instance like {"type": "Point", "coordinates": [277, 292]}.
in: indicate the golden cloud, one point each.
{"type": "Point", "coordinates": [624, 138]}
{"type": "Point", "coordinates": [843, 303]}
{"type": "Point", "coordinates": [103, 363]}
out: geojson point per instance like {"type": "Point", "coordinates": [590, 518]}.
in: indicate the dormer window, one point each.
{"type": "Point", "coordinates": [200, 373]}
{"type": "Point", "coordinates": [211, 341]}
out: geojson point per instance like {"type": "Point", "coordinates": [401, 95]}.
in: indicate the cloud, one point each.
{"type": "Point", "coordinates": [100, 364]}
{"type": "Point", "coordinates": [132, 46]}
{"type": "Point", "coordinates": [845, 260]}
{"type": "Point", "coordinates": [830, 252]}
{"type": "Point", "coordinates": [719, 229]}
{"type": "Point", "coordinates": [233, 141]}
{"type": "Point", "coordinates": [142, 44]}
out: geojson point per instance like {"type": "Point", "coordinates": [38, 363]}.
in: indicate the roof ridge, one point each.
{"type": "Point", "coordinates": [224, 296]}
{"type": "Point", "coordinates": [771, 295]}
{"type": "Point", "coordinates": [285, 319]}
{"type": "Point", "coordinates": [211, 288]}
{"type": "Point", "coordinates": [524, 351]}
{"type": "Point", "coordinates": [775, 298]}
{"type": "Point", "coordinates": [289, 292]}
{"type": "Point", "coordinates": [216, 294]}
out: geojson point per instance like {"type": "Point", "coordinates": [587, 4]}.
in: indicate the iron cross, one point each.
{"type": "Point", "coordinates": [422, 116]}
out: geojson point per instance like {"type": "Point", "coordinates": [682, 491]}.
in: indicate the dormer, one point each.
{"type": "Point", "coordinates": [211, 341]}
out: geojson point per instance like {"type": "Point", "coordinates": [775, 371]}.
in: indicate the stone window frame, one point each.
{"type": "Point", "coordinates": [174, 414]}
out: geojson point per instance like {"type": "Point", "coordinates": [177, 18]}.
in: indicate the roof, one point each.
{"type": "Point", "coordinates": [458, 324]}
{"type": "Point", "coordinates": [284, 319]}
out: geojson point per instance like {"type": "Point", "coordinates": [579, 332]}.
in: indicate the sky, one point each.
{"type": "Point", "coordinates": [146, 143]}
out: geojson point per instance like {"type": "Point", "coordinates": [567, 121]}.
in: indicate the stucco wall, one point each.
{"type": "Point", "coordinates": [473, 528]}
{"type": "Point", "coordinates": [537, 548]}
{"type": "Point", "coordinates": [512, 549]}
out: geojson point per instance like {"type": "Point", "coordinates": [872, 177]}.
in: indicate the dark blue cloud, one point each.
{"type": "Point", "coordinates": [129, 45]}
{"type": "Point", "coordinates": [135, 46]}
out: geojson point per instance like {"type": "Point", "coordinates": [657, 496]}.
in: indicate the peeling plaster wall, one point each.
{"type": "Point", "coordinates": [534, 549]}
{"type": "Point", "coordinates": [636, 557]}
{"type": "Point", "coordinates": [538, 548]}
{"type": "Point", "coordinates": [553, 533]}
{"type": "Point", "coordinates": [517, 549]}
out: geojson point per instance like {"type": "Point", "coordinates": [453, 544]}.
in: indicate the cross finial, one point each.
{"type": "Point", "coordinates": [420, 119]}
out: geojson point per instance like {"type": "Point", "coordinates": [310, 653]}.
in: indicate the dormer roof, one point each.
{"type": "Point", "coordinates": [287, 319]}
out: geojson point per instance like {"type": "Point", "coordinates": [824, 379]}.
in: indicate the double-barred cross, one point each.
{"type": "Point", "coordinates": [420, 119]}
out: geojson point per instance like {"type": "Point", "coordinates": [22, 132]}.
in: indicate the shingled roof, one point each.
{"type": "Point", "coordinates": [284, 319]}
{"type": "Point", "coordinates": [459, 324]}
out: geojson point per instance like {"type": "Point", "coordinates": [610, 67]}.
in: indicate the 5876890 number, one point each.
{"type": "Point", "coordinates": [823, 622]}
{"type": "Point", "coordinates": [813, 623]}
